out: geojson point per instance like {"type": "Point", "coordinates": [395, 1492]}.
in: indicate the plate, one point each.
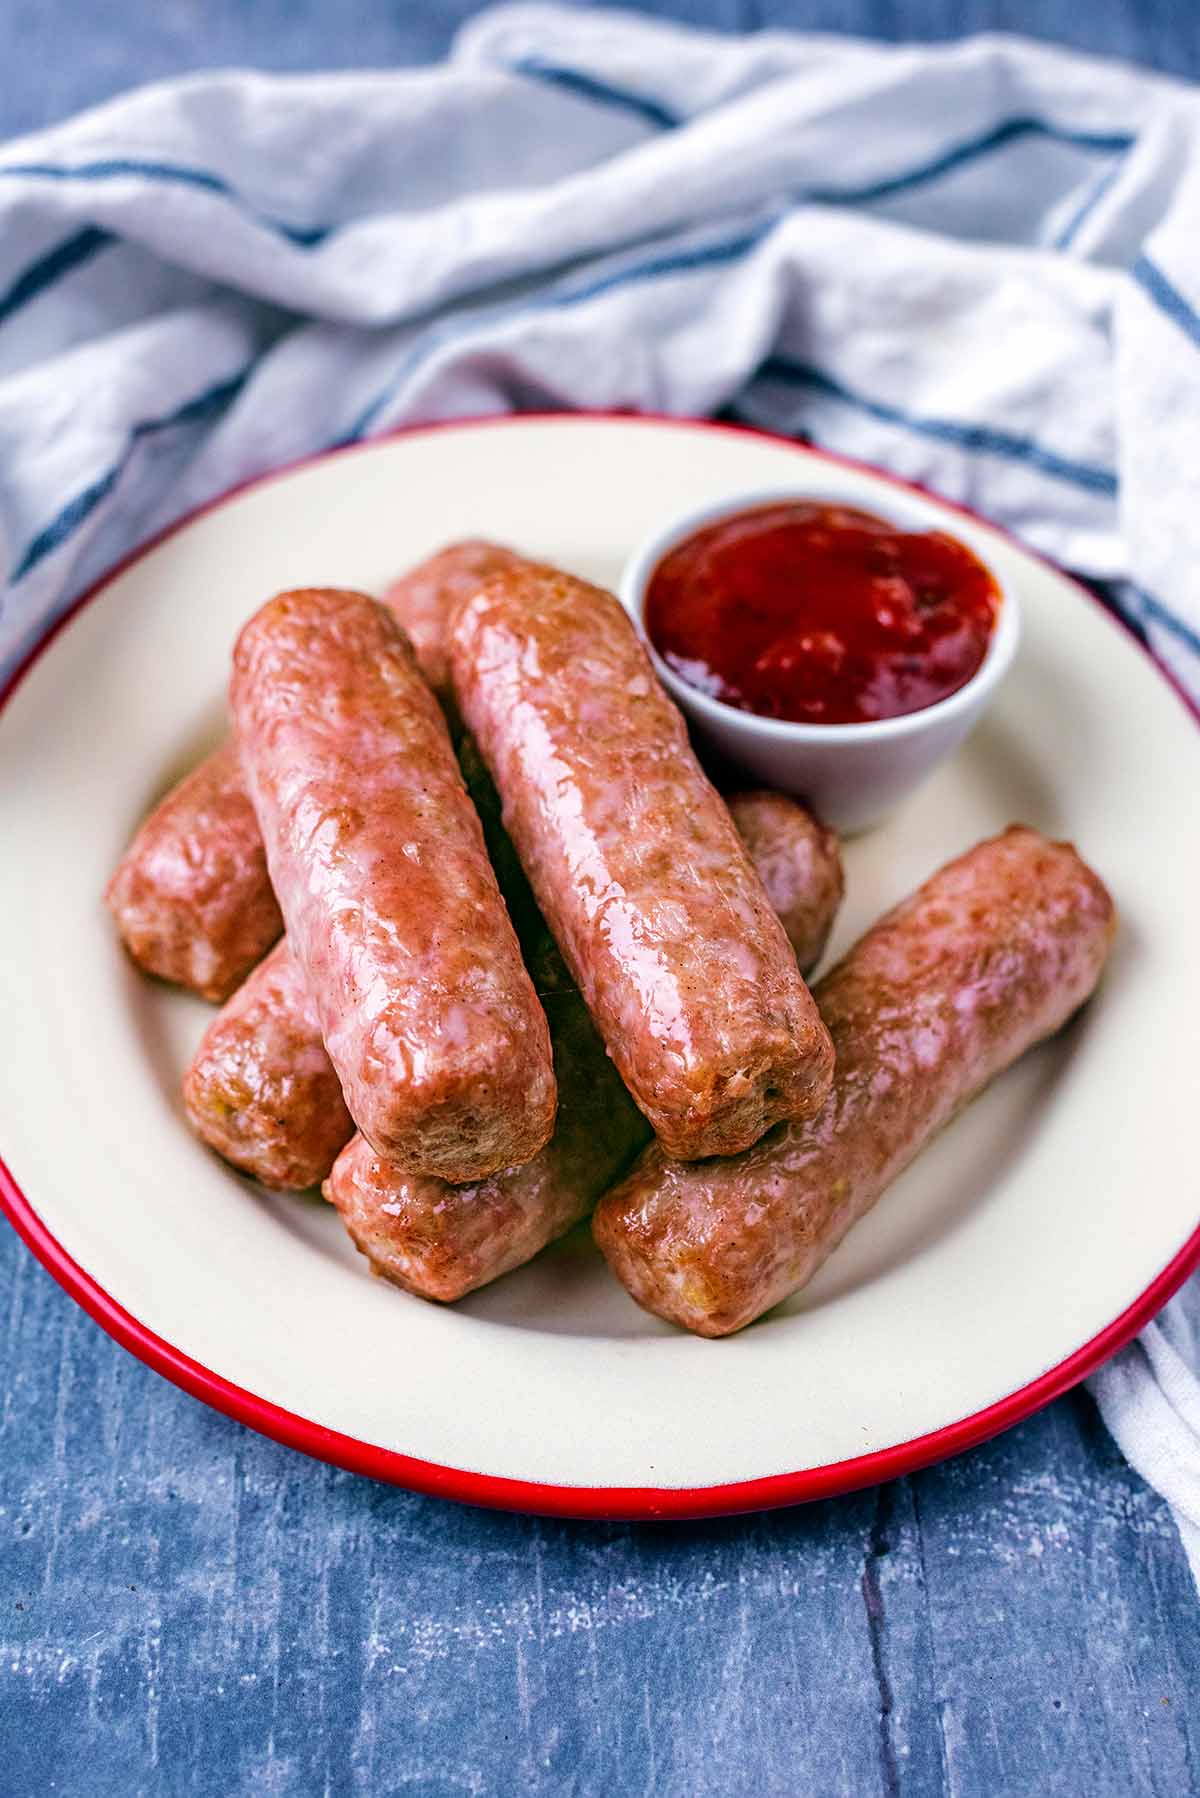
{"type": "Point", "coordinates": [1037, 1234]}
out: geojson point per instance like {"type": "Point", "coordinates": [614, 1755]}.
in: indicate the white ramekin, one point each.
{"type": "Point", "coordinates": [851, 774]}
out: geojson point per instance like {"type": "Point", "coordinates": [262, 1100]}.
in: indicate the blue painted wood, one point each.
{"type": "Point", "coordinates": [186, 1608]}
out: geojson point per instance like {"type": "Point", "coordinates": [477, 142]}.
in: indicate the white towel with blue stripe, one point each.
{"type": "Point", "coordinates": [976, 264]}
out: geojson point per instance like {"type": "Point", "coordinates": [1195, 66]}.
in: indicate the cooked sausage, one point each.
{"type": "Point", "coordinates": [261, 1090]}
{"type": "Point", "coordinates": [441, 1241]}
{"type": "Point", "coordinates": [992, 954]}
{"type": "Point", "coordinates": [636, 864]}
{"type": "Point", "coordinates": [426, 598]}
{"type": "Point", "coordinates": [191, 896]}
{"type": "Point", "coordinates": [392, 909]}
{"type": "Point", "coordinates": [799, 863]}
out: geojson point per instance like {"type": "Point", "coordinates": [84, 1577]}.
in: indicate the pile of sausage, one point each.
{"type": "Point", "coordinates": [495, 954]}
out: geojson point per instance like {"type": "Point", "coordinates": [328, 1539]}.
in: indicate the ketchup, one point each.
{"type": "Point", "coordinates": [821, 614]}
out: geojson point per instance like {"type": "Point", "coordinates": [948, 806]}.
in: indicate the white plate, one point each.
{"type": "Point", "coordinates": [1044, 1227]}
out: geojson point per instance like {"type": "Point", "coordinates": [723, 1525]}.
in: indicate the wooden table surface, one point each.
{"type": "Point", "coordinates": [186, 1608]}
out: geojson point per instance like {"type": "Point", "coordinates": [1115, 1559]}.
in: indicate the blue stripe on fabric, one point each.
{"type": "Point", "coordinates": [677, 262]}
{"type": "Point", "coordinates": [178, 174]}
{"type": "Point", "coordinates": [980, 439]}
{"type": "Point", "coordinates": [1167, 297]}
{"type": "Point", "coordinates": [946, 162]}
{"type": "Point", "coordinates": [51, 267]}
{"type": "Point", "coordinates": [682, 261]}
{"type": "Point", "coordinates": [1154, 610]}
{"type": "Point", "coordinates": [731, 250]}
{"type": "Point", "coordinates": [73, 514]}
{"type": "Point", "coordinates": [1091, 199]}
{"type": "Point", "coordinates": [67, 522]}
{"type": "Point", "coordinates": [1110, 142]}
{"type": "Point", "coordinates": [588, 88]}
{"type": "Point", "coordinates": [671, 262]}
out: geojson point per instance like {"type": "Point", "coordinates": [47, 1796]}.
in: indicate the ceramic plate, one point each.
{"type": "Point", "coordinates": [1042, 1229]}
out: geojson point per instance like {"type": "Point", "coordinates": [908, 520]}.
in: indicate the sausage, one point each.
{"type": "Point", "coordinates": [799, 863]}
{"type": "Point", "coordinates": [261, 1090]}
{"type": "Point", "coordinates": [426, 598]}
{"type": "Point", "coordinates": [242, 1093]}
{"type": "Point", "coordinates": [441, 1241]}
{"type": "Point", "coordinates": [191, 896]}
{"type": "Point", "coordinates": [797, 859]}
{"type": "Point", "coordinates": [991, 955]}
{"type": "Point", "coordinates": [392, 908]}
{"type": "Point", "coordinates": [636, 865]}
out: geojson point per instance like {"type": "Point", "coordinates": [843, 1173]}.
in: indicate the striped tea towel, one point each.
{"type": "Point", "coordinates": [978, 264]}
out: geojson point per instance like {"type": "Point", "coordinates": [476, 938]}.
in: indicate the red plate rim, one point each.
{"type": "Point", "coordinates": [635, 1503]}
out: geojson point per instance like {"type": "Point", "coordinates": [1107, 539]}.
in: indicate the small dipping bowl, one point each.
{"type": "Point", "coordinates": [852, 774]}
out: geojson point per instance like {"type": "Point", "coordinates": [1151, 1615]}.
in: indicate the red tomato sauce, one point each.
{"type": "Point", "coordinates": [821, 614]}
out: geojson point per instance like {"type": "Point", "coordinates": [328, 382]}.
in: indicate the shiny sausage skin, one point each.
{"type": "Point", "coordinates": [245, 1098]}
{"type": "Point", "coordinates": [191, 896]}
{"type": "Point", "coordinates": [990, 956]}
{"type": "Point", "coordinates": [261, 1090]}
{"type": "Point", "coordinates": [427, 597]}
{"type": "Point", "coordinates": [797, 859]}
{"type": "Point", "coordinates": [441, 1241]}
{"type": "Point", "coordinates": [636, 864]}
{"type": "Point", "coordinates": [391, 905]}
{"type": "Point", "coordinates": [799, 863]}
